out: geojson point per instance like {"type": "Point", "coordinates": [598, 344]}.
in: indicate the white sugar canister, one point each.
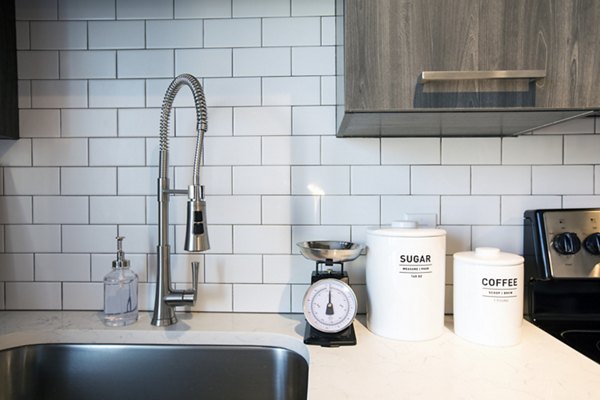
{"type": "Point", "coordinates": [488, 296]}
{"type": "Point", "coordinates": [405, 279]}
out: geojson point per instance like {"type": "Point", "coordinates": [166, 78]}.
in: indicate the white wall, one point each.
{"type": "Point", "coordinates": [92, 76]}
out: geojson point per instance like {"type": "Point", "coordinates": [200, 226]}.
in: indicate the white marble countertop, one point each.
{"type": "Point", "coordinates": [448, 367]}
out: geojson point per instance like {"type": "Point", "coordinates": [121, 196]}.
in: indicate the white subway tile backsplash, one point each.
{"type": "Point", "coordinates": [62, 267]}
{"type": "Point", "coordinates": [39, 123]}
{"type": "Point", "coordinates": [216, 180]}
{"type": "Point", "coordinates": [32, 181]}
{"type": "Point", "coordinates": [261, 298]}
{"type": "Point", "coordinates": [33, 295]}
{"type": "Point", "coordinates": [298, 292]}
{"type": "Point", "coordinates": [116, 34]}
{"type": "Point", "coordinates": [83, 296]}
{"type": "Point", "coordinates": [470, 210]}
{"type": "Point", "coordinates": [36, 9]}
{"type": "Point", "coordinates": [513, 207]}
{"type": "Point", "coordinates": [118, 210]}
{"type": "Point", "coordinates": [262, 121]}
{"type": "Point", "coordinates": [16, 267]}
{"type": "Point", "coordinates": [287, 269]}
{"type": "Point", "coordinates": [471, 150]}
{"type": "Point", "coordinates": [102, 264]}
{"type": "Point", "coordinates": [137, 180]}
{"type": "Point", "coordinates": [290, 150]}
{"type": "Point", "coordinates": [58, 35]}
{"type": "Point", "coordinates": [232, 32]}
{"type": "Point", "coordinates": [313, 7]}
{"type": "Point", "coordinates": [393, 208]}
{"type": "Point", "coordinates": [501, 179]}
{"type": "Point", "coordinates": [144, 9]}
{"type": "Point", "coordinates": [582, 149]}
{"type": "Point", "coordinates": [299, 31]}
{"type": "Point", "coordinates": [440, 180]}
{"type": "Point", "coordinates": [303, 90]}
{"type": "Point", "coordinates": [233, 268]}
{"type": "Point", "coordinates": [291, 210]}
{"type": "Point", "coordinates": [203, 63]}
{"type": "Point", "coordinates": [139, 122]}
{"type": "Point", "coordinates": [321, 180]}
{"type": "Point", "coordinates": [60, 152]}
{"type": "Point", "coordinates": [202, 9]}
{"type": "Point", "coordinates": [88, 181]}
{"type": "Point", "coordinates": [37, 64]}
{"type": "Point", "coordinates": [32, 238]}
{"type": "Point", "coordinates": [261, 180]}
{"type": "Point", "coordinates": [458, 238]}
{"type": "Point", "coordinates": [232, 151]}
{"type": "Point", "coordinates": [19, 154]}
{"type": "Point", "coordinates": [121, 151]}
{"type": "Point", "coordinates": [508, 238]}
{"type": "Point", "coordinates": [145, 63]}
{"type": "Point", "coordinates": [24, 93]}
{"type": "Point", "coordinates": [261, 239]}
{"type": "Point", "coordinates": [581, 201]}
{"type": "Point", "coordinates": [233, 209]}
{"type": "Point", "coordinates": [532, 150]}
{"type": "Point", "coordinates": [86, 9]}
{"type": "Point", "coordinates": [89, 238]}
{"type": "Point", "coordinates": [265, 61]}
{"type": "Point", "coordinates": [221, 121]}
{"type": "Point", "coordinates": [214, 298]}
{"type": "Point", "coordinates": [262, 8]}
{"type": "Point", "coordinates": [563, 179]}
{"type": "Point", "coordinates": [87, 64]}
{"type": "Point", "coordinates": [350, 210]}
{"type": "Point", "coordinates": [141, 238]}
{"type": "Point", "coordinates": [22, 35]}
{"type": "Point", "coordinates": [173, 34]}
{"type": "Point", "coordinates": [89, 122]}
{"type": "Point", "coordinates": [117, 93]}
{"type": "Point", "coordinates": [313, 60]}
{"type": "Point", "coordinates": [228, 92]}
{"type": "Point", "coordinates": [60, 209]}
{"type": "Point", "coordinates": [59, 94]}
{"type": "Point", "coordinates": [16, 210]}
{"type": "Point", "coordinates": [410, 151]}
{"type": "Point", "coordinates": [316, 120]}
{"type": "Point", "coordinates": [328, 90]}
{"type": "Point", "coordinates": [380, 180]}
{"type": "Point", "coordinates": [349, 151]}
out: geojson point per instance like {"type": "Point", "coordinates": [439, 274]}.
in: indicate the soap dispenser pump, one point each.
{"type": "Point", "coordinates": [120, 291]}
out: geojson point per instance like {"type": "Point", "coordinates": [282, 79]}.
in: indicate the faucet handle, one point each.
{"type": "Point", "coordinates": [195, 266]}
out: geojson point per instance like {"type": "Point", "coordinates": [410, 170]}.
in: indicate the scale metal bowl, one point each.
{"type": "Point", "coordinates": [330, 250]}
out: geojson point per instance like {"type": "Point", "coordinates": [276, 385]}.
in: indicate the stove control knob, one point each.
{"type": "Point", "coordinates": [592, 244]}
{"type": "Point", "coordinates": [566, 243]}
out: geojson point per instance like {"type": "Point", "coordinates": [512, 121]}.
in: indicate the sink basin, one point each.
{"type": "Point", "coordinates": [106, 371]}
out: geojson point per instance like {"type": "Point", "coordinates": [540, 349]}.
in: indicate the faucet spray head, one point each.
{"type": "Point", "coordinates": [196, 232]}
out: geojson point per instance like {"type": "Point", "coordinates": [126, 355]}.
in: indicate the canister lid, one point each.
{"type": "Point", "coordinates": [488, 256]}
{"type": "Point", "coordinates": [405, 229]}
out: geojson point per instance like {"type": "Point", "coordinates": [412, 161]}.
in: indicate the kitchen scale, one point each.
{"type": "Point", "coordinates": [329, 304]}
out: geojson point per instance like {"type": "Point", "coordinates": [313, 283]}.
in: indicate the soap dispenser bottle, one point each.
{"type": "Point", "coordinates": [120, 291]}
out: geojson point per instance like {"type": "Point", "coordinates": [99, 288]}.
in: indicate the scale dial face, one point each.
{"type": "Point", "coordinates": [330, 305]}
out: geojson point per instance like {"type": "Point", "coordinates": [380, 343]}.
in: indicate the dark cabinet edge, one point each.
{"type": "Point", "coordinates": [9, 107]}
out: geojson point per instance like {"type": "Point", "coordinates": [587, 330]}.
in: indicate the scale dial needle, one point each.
{"type": "Point", "coordinates": [329, 310]}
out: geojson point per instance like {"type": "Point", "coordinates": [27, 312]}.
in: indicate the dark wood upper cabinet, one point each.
{"type": "Point", "coordinates": [549, 45]}
{"type": "Point", "coordinates": [9, 112]}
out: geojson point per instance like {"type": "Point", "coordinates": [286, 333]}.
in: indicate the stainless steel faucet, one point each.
{"type": "Point", "coordinates": [196, 239]}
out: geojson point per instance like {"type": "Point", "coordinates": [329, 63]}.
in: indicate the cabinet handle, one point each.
{"type": "Point", "coordinates": [431, 76]}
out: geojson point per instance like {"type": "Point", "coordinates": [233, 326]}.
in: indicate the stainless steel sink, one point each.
{"type": "Point", "coordinates": [103, 371]}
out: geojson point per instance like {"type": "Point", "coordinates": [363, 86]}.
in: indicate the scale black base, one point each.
{"type": "Point", "coordinates": [347, 337]}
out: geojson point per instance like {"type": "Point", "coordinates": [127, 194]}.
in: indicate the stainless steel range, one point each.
{"type": "Point", "coordinates": [562, 265]}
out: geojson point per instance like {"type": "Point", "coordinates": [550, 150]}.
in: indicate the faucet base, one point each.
{"type": "Point", "coordinates": [164, 321]}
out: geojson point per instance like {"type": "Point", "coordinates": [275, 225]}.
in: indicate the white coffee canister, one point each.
{"type": "Point", "coordinates": [405, 276]}
{"type": "Point", "coordinates": [488, 296]}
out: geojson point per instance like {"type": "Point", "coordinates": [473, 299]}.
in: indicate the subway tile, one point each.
{"type": "Point", "coordinates": [216, 180]}
{"type": "Point", "coordinates": [321, 180]}
{"type": "Point", "coordinates": [317, 120]}
{"type": "Point", "coordinates": [513, 207]}
{"type": "Point", "coordinates": [313, 60]}
{"type": "Point", "coordinates": [36, 9]}
{"type": "Point", "coordinates": [221, 238]}
{"type": "Point", "coordinates": [581, 201]}
{"type": "Point", "coordinates": [232, 32]}
{"type": "Point", "coordinates": [213, 63]}
{"type": "Point", "coordinates": [22, 28]}
{"type": "Point", "coordinates": [155, 93]}
{"type": "Point", "coordinates": [219, 121]}
{"type": "Point", "coordinates": [290, 150]}
{"type": "Point", "coordinates": [313, 7]}
{"type": "Point", "coordinates": [393, 208]}
{"type": "Point", "coordinates": [39, 123]}
{"type": "Point", "coordinates": [32, 181]}
{"type": "Point", "coordinates": [86, 9]}
{"type": "Point", "coordinates": [89, 122]}
{"type": "Point", "coordinates": [24, 93]}
{"type": "Point", "coordinates": [2, 296]}
{"type": "Point", "coordinates": [117, 93]}
{"type": "Point", "coordinates": [299, 31]}
{"type": "Point", "coordinates": [19, 154]}
{"type": "Point", "coordinates": [58, 35]}
{"type": "Point", "coordinates": [582, 149]}
{"type": "Point", "coordinates": [60, 152]}
{"type": "Point", "coordinates": [118, 210]}
{"type": "Point", "coordinates": [59, 94]}
{"type": "Point", "coordinates": [214, 298]}
{"type": "Point", "coordinates": [87, 64]}
{"type": "Point", "coordinates": [232, 151]}
{"type": "Point", "coordinates": [291, 210]}
{"type": "Point", "coordinates": [410, 150]}
{"type": "Point", "coordinates": [37, 64]}
{"type": "Point", "coordinates": [350, 210]}
{"type": "Point", "coordinates": [16, 210]}
{"type": "Point", "coordinates": [139, 122]}
{"type": "Point", "coordinates": [262, 61]}
{"type": "Point", "coordinates": [144, 9]}
{"type": "Point", "coordinates": [116, 34]}
{"type": "Point", "coordinates": [202, 9]}
{"type": "Point", "coordinates": [379, 180]}
{"type": "Point", "coordinates": [262, 8]}
{"type": "Point", "coordinates": [262, 121]}
{"type": "Point", "coordinates": [174, 34]}
{"type": "Point", "coordinates": [507, 238]}
{"type": "Point", "coordinates": [181, 267]}
{"type": "Point", "coordinates": [141, 238]}
{"type": "Point", "coordinates": [62, 267]}
{"type": "Point", "coordinates": [233, 209]}
{"type": "Point", "coordinates": [440, 179]}
{"type": "Point", "coordinates": [471, 151]}
{"type": "Point", "coordinates": [121, 152]}
{"type": "Point", "coordinates": [328, 31]}
{"type": "Point", "coordinates": [88, 238]}
{"type": "Point", "coordinates": [303, 90]}
{"type": "Point", "coordinates": [261, 298]}
{"type": "Point", "coordinates": [137, 180]}
{"type": "Point", "coordinates": [303, 233]}
{"type": "Point", "coordinates": [328, 90]}
{"type": "Point", "coordinates": [33, 295]}
{"type": "Point", "coordinates": [349, 151]}
{"type": "Point", "coordinates": [287, 269]}
{"type": "Point", "coordinates": [298, 292]}
{"type": "Point", "coordinates": [470, 210]}
{"type": "Point", "coordinates": [233, 268]}
{"type": "Point", "coordinates": [83, 296]}
{"type": "Point", "coordinates": [32, 238]}
{"type": "Point", "coordinates": [501, 179]}
{"type": "Point", "coordinates": [102, 264]}
{"type": "Point", "coordinates": [231, 92]}
{"type": "Point", "coordinates": [145, 63]}
{"type": "Point", "coordinates": [146, 294]}
{"type": "Point", "coordinates": [60, 210]}
{"type": "Point", "coordinates": [181, 151]}
{"type": "Point", "coordinates": [532, 150]}
{"type": "Point", "coordinates": [458, 238]}
{"type": "Point", "coordinates": [563, 179]}
{"type": "Point", "coordinates": [16, 267]}
{"type": "Point", "coordinates": [262, 180]}
{"type": "Point", "coordinates": [88, 181]}
{"type": "Point", "coordinates": [261, 239]}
